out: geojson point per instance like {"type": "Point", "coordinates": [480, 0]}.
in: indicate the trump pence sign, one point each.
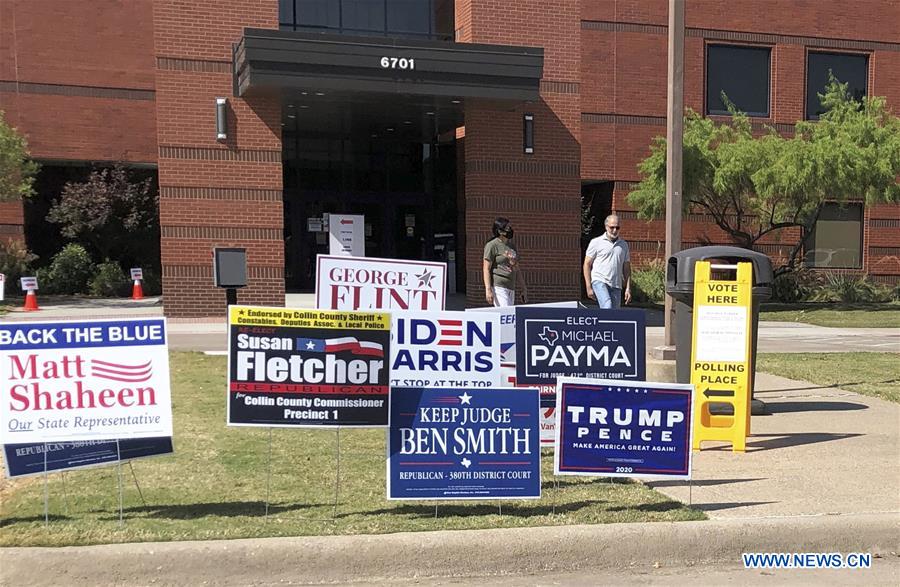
{"type": "Point", "coordinates": [72, 381]}
{"type": "Point", "coordinates": [367, 283]}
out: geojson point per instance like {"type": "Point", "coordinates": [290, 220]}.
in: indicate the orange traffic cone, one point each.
{"type": "Point", "coordinates": [137, 292]}
{"type": "Point", "coordinates": [30, 301]}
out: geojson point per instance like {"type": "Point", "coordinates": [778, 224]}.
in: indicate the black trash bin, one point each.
{"type": "Point", "coordinates": [680, 285]}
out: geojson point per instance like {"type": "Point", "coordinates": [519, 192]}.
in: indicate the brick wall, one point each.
{"type": "Point", "coordinates": [623, 71]}
{"type": "Point", "coordinates": [540, 192]}
{"type": "Point", "coordinates": [215, 194]}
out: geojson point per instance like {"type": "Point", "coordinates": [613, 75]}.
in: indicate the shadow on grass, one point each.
{"type": "Point", "coordinates": [468, 511]}
{"type": "Point", "coordinates": [663, 506]}
{"type": "Point", "coordinates": [194, 511]}
{"type": "Point", "coordinates": [554, 484]}
{"type": "Point", "coordinates": [714, 507]}
{"type": "Point", "coordinates": [823, 386]}
{"type": "Point", "coordinates": [4, 522]}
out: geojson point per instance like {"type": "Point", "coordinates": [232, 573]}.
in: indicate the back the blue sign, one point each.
{"type": "Point", "coordinates": [479, 443]}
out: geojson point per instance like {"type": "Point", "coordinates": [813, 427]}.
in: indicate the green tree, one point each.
{"type": "Point", "coordinates": [752, 186]}
{"type": "Point", "coordinates": [17, 171]}
{"type": "Point", "coordinates": [113, 213]}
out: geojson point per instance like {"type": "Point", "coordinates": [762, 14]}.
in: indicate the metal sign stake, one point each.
{"type": "Point", "coordinates": [690, 492]}
{"type": "Point", "coordinates": [46, 491]}
{"type": "Point", "coordinates": [65, 493]}
{"type": "Point", "coordinates": [136, 484]}
{"type": "Point", "coordinates": [121, 490]}
{"type": "Point", "coordinates": [268, 474]}
{"type": "Point", "coordinates": [337, 481]}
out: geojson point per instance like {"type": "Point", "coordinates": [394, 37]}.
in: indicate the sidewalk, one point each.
{"type": "Point", "coordinates": [821, 474]}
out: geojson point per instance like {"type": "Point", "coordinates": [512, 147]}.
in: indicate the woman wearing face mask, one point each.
{"type": "Point", "coordinates": [501, 267]}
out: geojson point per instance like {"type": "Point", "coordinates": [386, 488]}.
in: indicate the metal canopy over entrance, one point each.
{"type": "Point", "coordinates": [290, 59]}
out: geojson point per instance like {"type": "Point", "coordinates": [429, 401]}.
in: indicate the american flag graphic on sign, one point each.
{"type": "Point", "coordinates": [450, 333]}
{"type": "Point", "coordinates": [122, 372]}
{"type": "Point", "coordinates": [336, 345]}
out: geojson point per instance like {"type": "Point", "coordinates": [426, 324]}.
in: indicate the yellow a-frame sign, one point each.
{"type": "Point", "coordinates": [720, 357]}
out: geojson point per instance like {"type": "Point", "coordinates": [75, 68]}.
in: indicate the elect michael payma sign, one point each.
{"type": "Point", "coordinates": [70, 381]}
{"type": "Point", "coordinates": [366, 283]}
{"type": "Point", "coordinates": [445, 349]}
{"type": "Point", "coordinates": [557, 342]}
{"type": "Point", "coordinates": [307, 367]}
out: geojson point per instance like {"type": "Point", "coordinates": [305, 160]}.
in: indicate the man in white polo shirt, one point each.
{"type": "Point", "coordinates": [607, 267]}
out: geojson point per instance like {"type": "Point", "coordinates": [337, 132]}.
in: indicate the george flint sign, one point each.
{"type": "Point", "coordinates": [445, 349]}
{"type": "Point", "coordinates": [563, 342]}
{"type": "Point", "coordinates": [479, 443]}
{"type": "Point", "coordinates": [615, 428]}
{"type": "Point", "coordinates": [367, 283]}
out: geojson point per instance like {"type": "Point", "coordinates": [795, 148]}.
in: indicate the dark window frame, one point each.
{"type": "Point", "coordinates": [752, 114]}
{"type": "Point", "coordinates": [820, 51]}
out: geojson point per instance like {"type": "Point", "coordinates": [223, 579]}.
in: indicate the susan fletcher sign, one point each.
{"type": "Point", "coordinates": [615, 428]}
{"type": "Point", "coordinates": [73, 381]}
{"type": "Point", "coordinates": [569, 342]}
{"type": "Point", "coordinates": [445, 349]}
{"type": "Point", "coordinates": [30, 459]}
{"type": "Point", "coordinates": [367, 283]}
{"type": "Point", "coordinates": [315, 368]}
{"type": "Point", "coordinates": [478, 443]}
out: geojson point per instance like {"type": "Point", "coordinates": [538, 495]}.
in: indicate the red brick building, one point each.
{"type": "Point", "coordinates": [432, 141]}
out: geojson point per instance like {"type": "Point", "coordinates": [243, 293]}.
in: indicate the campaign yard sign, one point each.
{"type": "Point", "coordinates": [84, 380]}
{"type": "Point", "coordinates": [368, 283]}
{"type": "Point", "coordinates": [548, 403]}
{"type": "Point", "coordinates": [570, 342]}
{"type": "Point", "coordinates": [445, 349]}
{"type": "Point", "coordinates": [615, 428]}
{"type": "Point", "coordinates": [23, 460]}
{"type": "Point", "coordinates": [508, 325]}
{"type": "Point", "coordinates": [308, 368]}
{"type": "Point", "coordinates": [464, 443]}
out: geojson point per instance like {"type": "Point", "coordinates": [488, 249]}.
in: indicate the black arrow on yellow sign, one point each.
{"type": "Point", "coordinates": [719, 393]}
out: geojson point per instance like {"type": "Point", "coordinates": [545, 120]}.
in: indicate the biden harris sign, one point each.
{"type": "Point", "coordinates": [614, 428]}
{"type": "Point", "coordinates": [445, 349]}
{"type": "Point", "coordinates": [479, 443]}
{"type": "Point", "coordinates": [564, 342]}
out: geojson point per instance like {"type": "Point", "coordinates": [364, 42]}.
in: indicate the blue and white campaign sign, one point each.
{"type": "Point", "coordinates": [614, 428]}
{"type": "Point", "coordinates": [508, 325]}
{"type": "Point", "coordinates": [478, 443]}
{"type": "Point", "coordinates": [569, 342]}
{"type": "Point", "coordinates": [76, 381]}
{"type": "Point", "coordinates": [23, 460]}
{"type": "Point", "coordinates": [445, 349]}
{"type": "Point", "coordinates": [548, 403]}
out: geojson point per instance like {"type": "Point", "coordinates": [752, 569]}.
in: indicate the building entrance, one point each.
{"type": "Point", "coordinates": [389, 164]}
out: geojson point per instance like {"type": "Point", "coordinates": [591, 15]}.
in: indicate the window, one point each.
{"type": "Point", "coordinates": [848, 69]}
{"type": "Point", "coordinates": [836, 241]}
{"type": "Point", "coordinates": [742, 73]}
{"type": "Point", "coordinates": [408, 16]}
{"type": "Point", "coordinates": [362, 15]}
{"type": "Point", "coordinates": [403, 18]}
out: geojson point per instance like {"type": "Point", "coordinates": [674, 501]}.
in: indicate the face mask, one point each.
{"type": "Point", "coordinates": [508, 233]}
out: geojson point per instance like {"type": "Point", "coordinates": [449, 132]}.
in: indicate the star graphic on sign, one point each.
{"type": "Point", "coordinates": [465, 398]}
{"type": "Point", "coordinates": [240, 312]}
{"type": "Point", "coordinates": [425, 278]}
{"type": "Point", "coordinates": [465, 463]}
{"type": "Point", "coordinates": [310, 345]}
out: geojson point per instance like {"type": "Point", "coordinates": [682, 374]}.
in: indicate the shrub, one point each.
{"type": "Point", "coordinates": [794, 286]}
{"type": "Point", "coordinates": [15, 262]}
{"type": "Point", "coordinates": [849, 289]}
{"type": "Point", "coordinates": [109, 280]}
{"type": "Point", "coordinates": [70, 271]}
{"type": "Point", "coordinates": [152, 283]}
{"type": "Point", "coordinates": [648, 284]}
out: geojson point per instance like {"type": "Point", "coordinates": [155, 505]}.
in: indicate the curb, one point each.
{"type": "Point", "coordinates": [478, 553]}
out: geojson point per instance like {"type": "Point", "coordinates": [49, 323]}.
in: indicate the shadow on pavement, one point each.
{"type": "Point", "coordinates": [701, 483]}
{"type": "Point", "coordinates": [193, 511]}
{"type": "Point", "coordinates": [788, 440]}
{"type": "Point", "coordinates": [817, 406]}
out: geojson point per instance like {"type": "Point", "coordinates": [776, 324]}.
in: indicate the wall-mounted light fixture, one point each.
{"type": "Point", "coordinates": [221, 126]}
{"type": "Point", "coordinates": [528, 133]}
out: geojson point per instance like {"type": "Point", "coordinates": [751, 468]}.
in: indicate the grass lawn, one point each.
{"type": "Point", "coordinates": [885, 315]}
{"type": "Point", "coordinates": [214, 486]}
{"type": "Point", "coordinates": [872, 374]}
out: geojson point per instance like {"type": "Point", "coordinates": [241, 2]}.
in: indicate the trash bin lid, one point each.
{"type": "Point", "coordinates": [680, 269]}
